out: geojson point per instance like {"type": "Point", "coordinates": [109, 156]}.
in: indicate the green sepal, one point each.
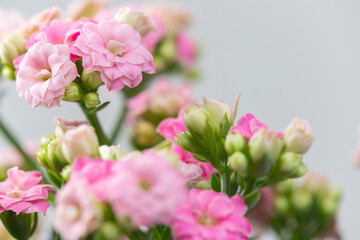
{"type": "Point", "coordinates": [20, 226]}
{"type": "Point", "coordinates": [252, 198]}
{"type": "Point", "coordinates": [215, 183]}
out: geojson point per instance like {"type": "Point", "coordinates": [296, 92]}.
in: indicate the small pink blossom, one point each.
{"type": "Point", "coordinates": [151, 39]}
{"type": "Point", "coordinates": [248, 125]}
{"type": "Point", "coordinates": [113, 48]}
{"type": "Point", "coordinates": [163, 99]}
{"type": "Point", "coordinates": [212, 216]}
{"type": "Point", "coordinates": [76, 215]}
{"type": "Point", "coordinates": [10, 156]}
{"type": "Point", "coordinates": [24, 192]}
{"type": "Point", "coordinates": [186, 49]}
{"type": "Point", "coordinates": [149, 189]}
{"type": "Point", "coordinates": [169, 129]}
{"type": "Point", "coordinates": [10, 21]}
{"type": "Point", "coordinates": [44, 73]}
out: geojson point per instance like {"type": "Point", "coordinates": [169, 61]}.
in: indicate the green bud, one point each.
{"type": "Point", "coordinates": [111, 152]}
{"type": "Point", "coordinates": [301, 171]}
{"type": "Point", "coordinates": [217, 110]}
{"type": "Point", "coordinates": [73, 93]}
{"type": "Point", "coordinates": [265, 143]}
{"type": "Point", "coordinates": [167, 48]}
{"type": "Point", "coordinates": [65, 173]}
{"type": "Point", "coordinates": [55, 155]}
{"type": "Point", "coordinates": [329, 206]}
{"type": "Point", "coordinates": [290, 163]}
{"type": "Point", "coordinates": [234, 142]}
{"type": "Point", "coordinates": [8, 72]}
{"type": "Point", "coordinates": [301, 199]}
{"type": "Point", "coordinates": [110, 230]}
{"type": "Point", "coordinates": [195, 119]}
{"type": "Point", "coordinates": [20, 226]}
{"type": "Point", "coordinates": [41, 156]}
{"type": "Point", "coordinates": [281, 205]}
{"type": "Point", "coordinates": [238, 163]}
{"type": "Point", "coordinates": [160, 63]}
{"type": "Point", "coordinates": [44, 141]}
{"type": "Point", "coordinates": [185, 141]}
{"type": "Point", "coordinates": [91, 79]}
{"type": "Point", "coordinates": [11, 46]}
{"type": "Point", "coordinates": [91, 99]}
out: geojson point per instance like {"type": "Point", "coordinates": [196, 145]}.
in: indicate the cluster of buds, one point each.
{"type": "Point", "coordinates": [250, 153]}
{"type": "Point", "coordinates": [150, 107]}
{"type": "Point", "coordinates": [311, 206]}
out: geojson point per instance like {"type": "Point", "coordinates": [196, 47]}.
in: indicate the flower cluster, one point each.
{"type": "Point", "coordinates": [312, 206]}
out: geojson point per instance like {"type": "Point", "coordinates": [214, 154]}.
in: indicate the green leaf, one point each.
{"type": "Point", "coordinates": [252, 198]}
{"type": "Point", "coordinates": [55, 178]}
{"type": "Point", "coordinates": [215, 183]}
{"type": "Point", "coordinates": [101, 107]}
{"type": "Point", "coordinates": [225, 126]}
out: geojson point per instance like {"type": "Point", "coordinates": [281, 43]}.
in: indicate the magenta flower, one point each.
{"type": "Point", "coordinates": [113, 48]}
{"type": "Point", "coordinates": [44, 73]}
{"type": "Point", "coordinates": [169, 129]}
{"type": "Point", "coordinates": [248, 125]}
{"type": "Point", "coordinates": [212, 216]}
{"type": "Point", "coordinates": [23, 192]}
{"type": "Point", "coordinates": [148, 191]}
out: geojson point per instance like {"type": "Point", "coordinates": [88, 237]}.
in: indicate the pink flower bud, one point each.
{"type": "Point", "coordinates": [298, 136]}
{"type": "Point", "coordinates": [80, 142]}
{"type": "Point", "coordinates": [265, 143]}
{"type": "Point", "coordinates": [192, 172]}
{"type": "Point", "coordinates": [139, 20]}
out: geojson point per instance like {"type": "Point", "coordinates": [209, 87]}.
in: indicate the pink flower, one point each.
{"type": "Point", "coordinates": [10, 156]}
{"type": "Point", "coordinates": [44, 73]}
{"type": "Point", "coordinates": [248, 125]}
{"type": "Point", "coordinates": [113, 48]}
{"type": "Point", "coordinates": [146, 188]}
{"type": "Point", "coordinates": [85, 8]}
{"type": "Point", "coordinates": [162, 99]}
{"type": "Point", "coordinates": [10, 21]}
{"type": "Point", "coordinates": [23, 192]}
{"type": "Point", "coordinates": [153, 37]}
{"type": "Point", "coordinates": [53, 33]}
{"type": "Point", "coordinates": [76, 215]}
{"type": "Point", "coordinates": [212, 216]}
{"type": "Point", "coordinates": [186, 49]}
{"type": "Point", "coordinates": [169, 129]}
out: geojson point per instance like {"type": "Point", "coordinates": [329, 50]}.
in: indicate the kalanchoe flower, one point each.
{"type": "Point", "coordinates": [298, 136]}
{"type": "Point", "coordinates": [136, 18]}
{"type": "Point", "coordinates": [113, 48]}
{"type": "Point", "coordinates": [149, 181]}
{"type": "Point", "coordinates": [10, 21]}
{"type": "Point", "coordinates": [44, 73]}
{"type": "Point", "coordinates": [24, 192]}
{"type": "Point", "coordinates": [76, 213]}
{"type": "Point", "coordinates": [211, 215]}
{"type": "Point", "coordinates": [186, 49]}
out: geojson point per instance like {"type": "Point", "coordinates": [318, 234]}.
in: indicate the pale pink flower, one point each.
{"type": "Point", "coordinates": [149, 189]}
{"type": "Point", "coordinates": [76, 215]}
{"type": "Point", "coordinates": [85, 8]}
{"type": "Point", "coordinates": [151, 39]}
{"type": "Point", "coordinates": [44, 73]}
{"type": "Point", "coordinates": [10, 156]}
{"type": "Point", "coordinates": [105, 14]}
{"type": "Point", "coordinates": [40, 20]}
{"type": "Point", "coordinates": [162, 99]}
{"type": "Point", "coordinates": [248, 125]}
{"type": "Point", "coordinates": [10, 21]}
{"type": "Point", "coordinates": [63, 125]}
{"type": "Point", "coordinates": [212, 216]}
{"type": "Point", "coordinates": [169, 129]}
{"type": "Point", "coordinates": [113, 48]}
{"type": "Point", "coordinates": [298, 136]}
{"type": "Point", "coordinates": [191, 172]}
{"type": "Point", "coordinates": [186, 49]}
{"type": "Point", "coordinates": [24, 192]}
{"type": "Point", "coordinates": [53, 33]}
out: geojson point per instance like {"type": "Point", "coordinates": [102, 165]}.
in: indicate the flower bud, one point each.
{"type": "Point", "coordinates": [55, 156]}
{"type": "Point", "coordinates": [195, 119]}
{"type": "Point", "coordinates": [167, 49]}
{"type": "Point", "coordinates": [8, 72]}
{"type": "Point", "coordinates": [141, 22]}
{"type": "Point", "coordinates": [91, 99]}
{"type": "Point", "coordinates": [238, 162]}
{"type": "Point", "coordinates": [91, 79]}
{"type": "Point", "coordinates": [192, 173]}
{"type": "Point", "coordinates": [329, 206]}
{"type": "Point", "coordinates": [289, 163]}
{"type": "Point", "coordinates": [145, 134]}
{"type": "Point", "coordinates": [11, 46]}
{"type": "Point", "coordinates": [265, 143]}
{"type": "Point", "coordinates": [234, 142]}
{"type": "Point", "coordinates": [111, 152]}
{"type": "Point", "coordinates": [281, 205]}
{"type": "Point", "coordinates": [217, 111]}
{"type": "Point", "coordinates": [301, 200]}
{"type": "Point", "coordinates": [184, 140]}
{"type": "Point", "coordinates": [80, 142]}
{"type": "Point", "coordinates": [298, 136]}
{"type": "Point", "coordinates": [73, 93]}
{"type": "Point", "coordinates": [20, 226]}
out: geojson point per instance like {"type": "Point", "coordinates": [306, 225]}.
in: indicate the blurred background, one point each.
{"type": "Point", "coordinates": [287, 58]}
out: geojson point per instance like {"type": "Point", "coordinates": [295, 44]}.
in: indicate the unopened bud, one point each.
{"type": "Point", "coordinates": [265, 143]}
{"type": "Point", "coordinates": [91, 99]}
{"type": "Point", "coordinates": [217, 111]}
{"type": "Point", "coordinates": [66, 171]}
{"type": "Point", "coordinates": [298, 136]}
{"type": "Point", "coordinates": [110, 152]}
{"type": "Point", "coordinates": [167, 49]}
{"type": "Point", "coordinates": [8, 72]}
{"type": "Point", "coordinates": [238, 162]}
{"type": "Point", "coordinates": [91, 79]}
{"type": "Point", "coordinates": [329, 206]}
{"type": "Point", "coordinates": [289, 163]}
{"type": "Point", "coordinates": [141, 22]}
{"type": "Point", "coordinates": [281, 205]}
{"type": "Point", "coordinates": [185, 141]}
{"type": "Point", "coordinates": [301, 200]}
{"type": "Point", "coordinates": [11, 46]}
{"type": "Point", "coordinates": [195, 119]}
{"type": "Point", "coordinates": [73, 93]}
{"type": "Point", "coordinates": [234, 142]}
{"type": "Point", "coordinates": [55, 156]}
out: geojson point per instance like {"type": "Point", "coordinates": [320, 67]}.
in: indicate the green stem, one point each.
{"type": "Point", "coordinates": [29, 162]}
{"type": "Point", "coordinates": [118, 126]}
{"type": "Point", "coordinates": [225, 181]}
{"type": "Point", "coordinates": [94, 121]}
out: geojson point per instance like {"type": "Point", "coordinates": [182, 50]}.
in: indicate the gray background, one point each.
{"type": "Point", "coordinates": [288, 58]}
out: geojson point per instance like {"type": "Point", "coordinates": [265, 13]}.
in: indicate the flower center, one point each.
{"type": "Point", "coordinates": [72, 213]}
{"type": "Point", "coordinates": [15, 194]}
{"type": "Point", "coordinates": [206, 220]}
{"type": "Point", "coordinates": [115, 47]}
{"type": "Point", "coordinates": [43, 75]}
{"type": "Point", "coordinates": [144, 185]}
